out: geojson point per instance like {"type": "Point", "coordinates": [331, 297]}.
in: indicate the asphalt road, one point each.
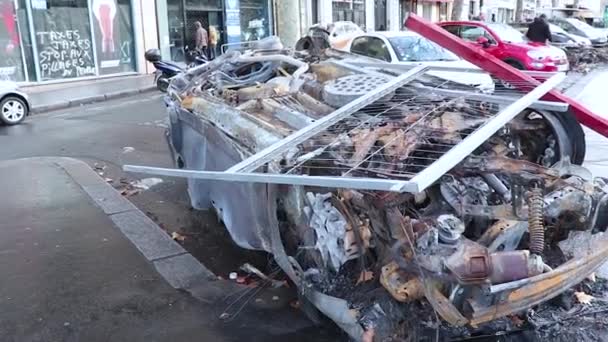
{"type": "Point", "coordinates": [131, 131]}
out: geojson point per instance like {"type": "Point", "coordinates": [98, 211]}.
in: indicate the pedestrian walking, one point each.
{"type": "Point", "coordinates": [538, 30]}
{"type": "Point", "coordinates": [200, 38]}
{"type": "Point", "coordinates": [212, 42]}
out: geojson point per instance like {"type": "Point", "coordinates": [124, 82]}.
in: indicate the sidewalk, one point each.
{"type": "Point", "coordinates": [81, 263]}
{"type": "Point", "coordinates": [55, 96]}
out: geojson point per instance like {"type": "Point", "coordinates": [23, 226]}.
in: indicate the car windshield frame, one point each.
{"type": "Point", "coordinates": [402, 43]}
{"type": "Point", "coordinates": [506, 33]}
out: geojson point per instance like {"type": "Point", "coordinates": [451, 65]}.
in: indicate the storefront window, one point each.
{"type": "Point", "coordinates": [349, 10]}
{"type": "Point", "coordinates": [406, 7]}
{"type": "Point", "coordinates": [202, 4]}
{"type": "Point", "coordinates": [63, 39]}
{"type": "Point", "coordinates": [254, 20]}
{"type": "Point", "coordinates": [206, 12]}
{"type": "Point", "coordinates": [380, 15]}
{"type": "Point", "coordinates": [113, 35]}
{"type": "Point", "coordinates": [181, 25]}
{"type": "Point", "coordinates": [427, 11]}
{"type": "Point", "coordinates": [443, 11]}
{"type": "Point", "coordinates": [175, 17]}
{"type": "Point", "coordinates": [11, 53]}
{"type": "Point", "coordinates": [26, 42]}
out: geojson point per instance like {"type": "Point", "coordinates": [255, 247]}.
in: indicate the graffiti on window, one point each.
{"type": "Point", "coordinates": [64, 54]}
{"type": "Point", "coordinates": [63, 40]}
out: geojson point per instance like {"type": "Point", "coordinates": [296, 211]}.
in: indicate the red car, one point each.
{"type": "Point", "coordinates": [511, 46]}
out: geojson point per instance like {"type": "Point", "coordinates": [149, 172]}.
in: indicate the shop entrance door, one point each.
{"type": "Point", "coordinates": [207, 19]}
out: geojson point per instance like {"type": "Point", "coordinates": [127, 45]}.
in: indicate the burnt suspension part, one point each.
{"type": "Point", "coordinates": [535, 220]}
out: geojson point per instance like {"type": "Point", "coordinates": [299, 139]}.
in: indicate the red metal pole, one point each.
{"type": "Point", "coordinates": [501, 70]}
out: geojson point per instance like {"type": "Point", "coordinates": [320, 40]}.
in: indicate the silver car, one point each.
{"type": "Point", "coordinates": [14, 103]}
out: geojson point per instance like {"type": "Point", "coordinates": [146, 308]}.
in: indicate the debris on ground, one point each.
{"type": "Point", "coordinates": [586, 59]}
{"type": "Point", "coordinates": [178, 237]}
{"type": "Point", "coordinates": [383, 203]}
{"type": "Point", "coordinates": [295, 304]}
{"type": "Point", "coordinates": [579, 322]}
{"type": "Point", "coordinates": [146, 183]}
{"type": "Point", "coordinates": [254, 270]}
{"type": "Point", "coordinates": [365, 277]}
{"type": "Point", "coordinates": [583, 298]}
{"type": "Point", "coordinates": [99, 169]}
{"type": "Point", "coordinates": [128, 190]}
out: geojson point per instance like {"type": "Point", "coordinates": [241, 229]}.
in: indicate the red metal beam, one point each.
{"type": "Point", "coordinates": [501, 70]}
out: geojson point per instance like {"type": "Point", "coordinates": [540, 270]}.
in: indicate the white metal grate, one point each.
{"type": "Point", "coordinates": [401, 137]}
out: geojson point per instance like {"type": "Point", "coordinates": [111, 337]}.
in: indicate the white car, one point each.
{"type": "Point", "coordinates": [339, 32]}
{"type": "Point", "coordinates": [579, 28]}
{"type": "Point", "coordinates": [14, 103]}
{"type": "Point", "coordinates": [578, 40]}
{"type": "Point", "coordinates": [406, 47]}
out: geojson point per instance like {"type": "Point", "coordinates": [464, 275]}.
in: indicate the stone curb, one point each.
{"type": "Point", "coordinates": [178, 267]}
{"type": "Point", "coordinates": [89, 99]}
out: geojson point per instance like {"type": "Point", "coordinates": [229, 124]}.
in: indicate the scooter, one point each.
{"type": "Point", "coordinates": [165, 71]}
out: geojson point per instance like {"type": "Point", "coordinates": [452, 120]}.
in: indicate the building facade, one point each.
{"type": "Point", "coordinates": [566, 8]}
{"type": "Point", "coordinates": [58, 40]}
{"type": "Point", "coordinates": [500, 11]}
{"type": "Point", "coordinates": [374, 15]}
{"type": "Point", "coordinates": [44, 41]}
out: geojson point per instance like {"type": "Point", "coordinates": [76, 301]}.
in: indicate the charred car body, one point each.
{"type": "Point", "coordinates": [385, 193]}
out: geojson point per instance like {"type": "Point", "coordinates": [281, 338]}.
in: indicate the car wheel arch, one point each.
{"type": "Point", "coordinates": [20, 97]}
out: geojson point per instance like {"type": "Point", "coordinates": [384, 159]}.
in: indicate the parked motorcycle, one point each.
{"type": "Point", "coordinates": [166, 70]}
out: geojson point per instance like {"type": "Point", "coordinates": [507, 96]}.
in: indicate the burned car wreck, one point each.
{"type": "Point", "coordinates": [388, 196]}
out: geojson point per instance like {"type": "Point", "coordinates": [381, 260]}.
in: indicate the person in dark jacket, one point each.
{"type": "Point", "coordinates": [539, 31]}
